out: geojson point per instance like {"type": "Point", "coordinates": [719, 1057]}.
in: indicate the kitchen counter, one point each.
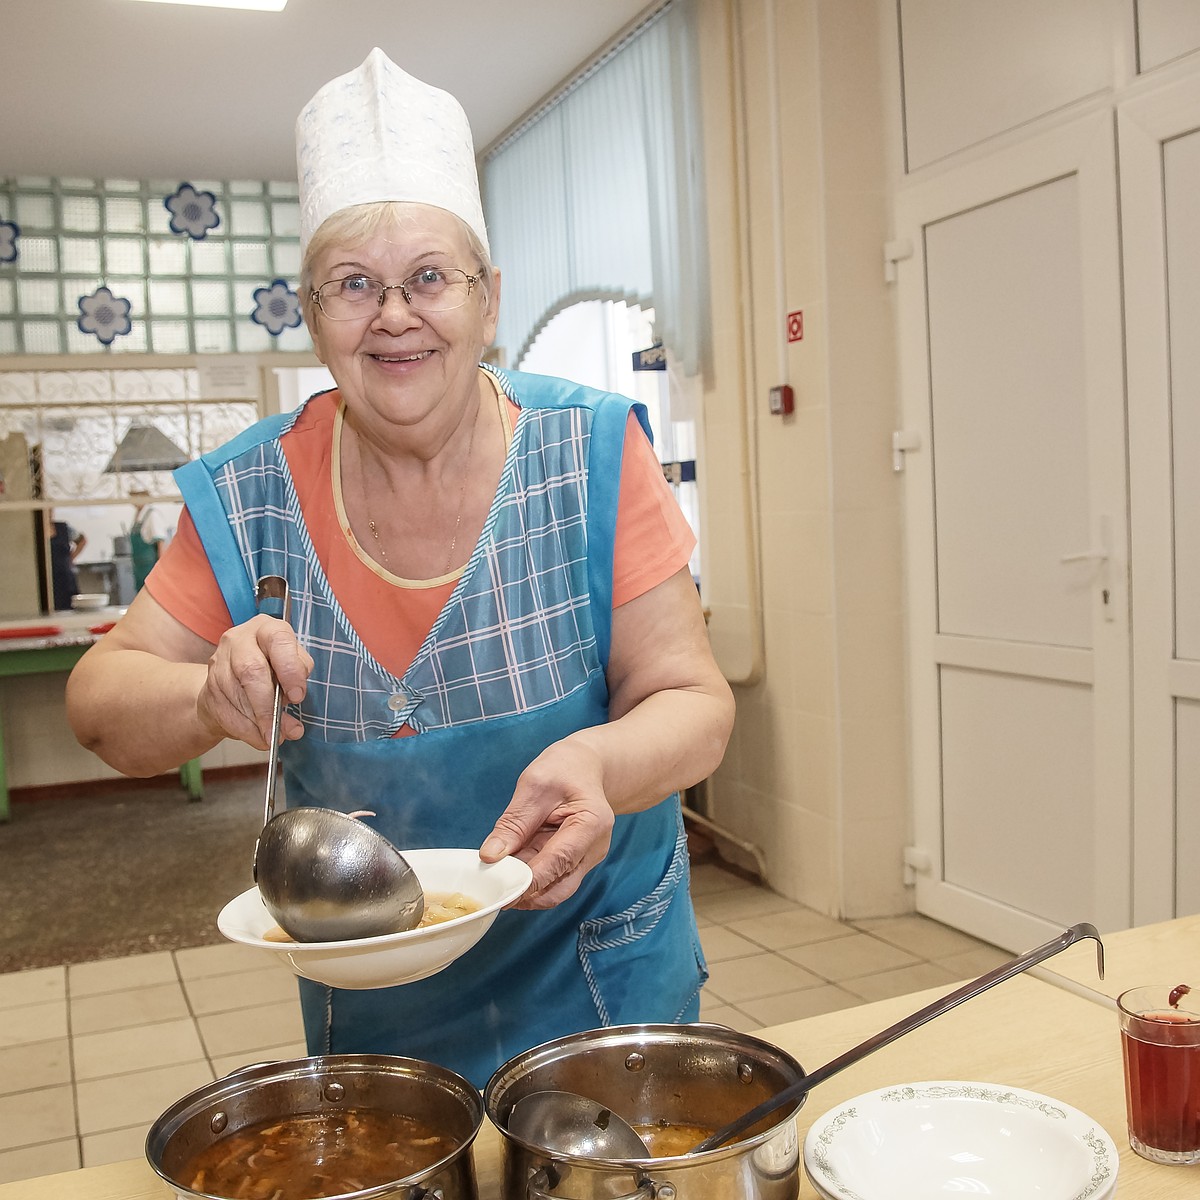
{"type": "Point", "coordinates": [1032, 1033]}
{"type": "Point", "coordinates": [54, 644]}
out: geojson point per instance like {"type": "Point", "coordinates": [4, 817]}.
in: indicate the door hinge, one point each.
{"type": "Point", "coordinates": [916, 862]}
{"type": "Point", "coordinates": [894, 252]}
{"type": "Point", "coordinates": [903, 440]}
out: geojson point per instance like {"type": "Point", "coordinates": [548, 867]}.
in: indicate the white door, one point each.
{"type": "Point", "coordinates": [1160, 180]}
{"type": "Point", "coordinates": [1016, 524]}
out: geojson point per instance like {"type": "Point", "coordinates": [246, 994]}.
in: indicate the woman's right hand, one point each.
{"type": "Point", "coordinates": [238, 696]}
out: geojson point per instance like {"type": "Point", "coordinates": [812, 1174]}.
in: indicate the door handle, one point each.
{"type": "Point", "coordinates": [1086, 556]}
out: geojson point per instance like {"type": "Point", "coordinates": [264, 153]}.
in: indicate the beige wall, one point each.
{"type": "Point", "coordinates": [802, 512]}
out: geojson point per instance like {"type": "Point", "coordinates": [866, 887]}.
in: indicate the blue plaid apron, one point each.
{"type": "Point", "coordinates": [514, 662]}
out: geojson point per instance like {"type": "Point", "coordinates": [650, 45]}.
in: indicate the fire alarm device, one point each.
{"type": "Point", "coordinates": [781, 400]}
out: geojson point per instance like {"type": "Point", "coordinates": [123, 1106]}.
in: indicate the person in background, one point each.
{"type": "Point", "coordinates": [495, 638]}
{"type": "Point", "coordinates": [66, 545]}
{"type": "Point", "coordinates": [146, 536]}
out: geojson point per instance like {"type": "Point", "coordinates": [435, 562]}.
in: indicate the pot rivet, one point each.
{"type": "Point", "coordinates": [745, 1072]}
{"type": "Point", "coordinates": [218, 1122]}
{"type": "Point", "coordinates": [666, 1192]}
{"type": "Point", "coordinates": [635, 1062]}
{"type": "Point", "coordinates": [334, 1092]}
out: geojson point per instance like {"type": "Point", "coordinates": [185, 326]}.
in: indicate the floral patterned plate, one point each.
{"type": "Point", "coordinates": [919, 1141]}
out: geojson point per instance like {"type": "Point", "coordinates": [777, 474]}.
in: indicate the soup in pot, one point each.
{"type": "Point", "coordinates": [313, 1155]}
{"type": "Point", "coordinates": [665, 1140]}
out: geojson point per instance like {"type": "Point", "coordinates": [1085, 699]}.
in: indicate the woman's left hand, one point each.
{"type": "Point", "coordinates": [559, 821]}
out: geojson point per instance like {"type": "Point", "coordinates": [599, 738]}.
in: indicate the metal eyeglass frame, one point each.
{"type": "Point", "coordinates": [402, 287]}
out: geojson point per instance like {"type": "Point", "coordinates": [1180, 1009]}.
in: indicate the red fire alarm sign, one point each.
{"type": "Point", "coordinates": [795, 326]}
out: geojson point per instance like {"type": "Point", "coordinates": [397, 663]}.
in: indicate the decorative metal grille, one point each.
{"type": "Point", "coordinates": [76, 419]}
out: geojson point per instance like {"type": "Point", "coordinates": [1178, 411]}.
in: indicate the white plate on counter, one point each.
{"type": "Point", "coordinates": [943, 1138]}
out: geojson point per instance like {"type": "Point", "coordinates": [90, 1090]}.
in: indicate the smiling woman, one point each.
{"type": "Point", "coordinates": [491, 601]}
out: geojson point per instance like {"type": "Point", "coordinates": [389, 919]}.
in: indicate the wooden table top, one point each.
{"type": "Point", "coordinates": [1024, 1033]}
{"type": "Point", "coordinates": [1168, 952]}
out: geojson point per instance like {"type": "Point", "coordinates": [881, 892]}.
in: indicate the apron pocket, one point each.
{"type": "Point", "coordinates": [645, 964]}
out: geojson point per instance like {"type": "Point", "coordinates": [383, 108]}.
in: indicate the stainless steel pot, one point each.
{"type": "Point", "coordinates": [435, 1095]}
{"type": "Point", "coordinates": [699, 1074]}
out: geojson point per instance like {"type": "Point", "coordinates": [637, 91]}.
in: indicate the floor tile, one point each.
{"type": "Point", "coordinates": [794, 1006]}
{"type": "Point", "coordinates": [241, 989]}
{"type": "Point", "coordinates": [974, 962]}
{"type": "Point", "coordinates": [720, 943]}
{"type": "Point", "coordinates": [116, 1145]}
{"type": "Point", "coordinates": [31, 1161]}
{"type": "Point", "coordinates": [919, 935]}
{"type": "Point", "coordinates": [797, 927]}
{"type": "Point", "coordinates": [34, 1023]}
{"type": "Point", "coordinates": [741, 979]}
{"type": "Point", "coordinates": [119, 1100]}
{"type": "Point", "coordinates": [226, 1063]}
{"type": "Point", "coordinates": [120, 974]}
{"type": "Point", "coordinates": [733, 1018]}
{"type": "Point", "coordinates": [248, 1028]}
{"type": "Point", "coordinates": [120, 1010]}
{"type": "Point", "coordinates": [224, 959]}
{"type": "Point", "coordinates": [899, 983]}
{"type": "Point", "coordinates": [32, 987]}
{"type": "Point", "coordinates": [844, 958]}
{"type": "Point", "coordinates": [728, 907]}
{"type": "Point", "coordinates": [35, 1064]}
{"type": "Point", "coordinates": [120, 1051]}
{"type": "Point", "coordinates": [43, 1115]}
{"type": "Point", "coordinates": [708, 878]}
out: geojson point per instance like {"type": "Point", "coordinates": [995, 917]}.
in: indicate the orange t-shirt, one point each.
{"type": "Point", "coordinates": [393, 616]}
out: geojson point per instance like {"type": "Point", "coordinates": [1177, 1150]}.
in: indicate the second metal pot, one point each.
{"type": "Point", "coordinates": [700, 1075]}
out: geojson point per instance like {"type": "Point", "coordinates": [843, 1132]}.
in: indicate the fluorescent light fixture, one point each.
{"type": "Point", "coordinates": [255, 5]}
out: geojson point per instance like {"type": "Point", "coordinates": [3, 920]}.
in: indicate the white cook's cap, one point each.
{"type": "Point", "coordinates": [379, 134]}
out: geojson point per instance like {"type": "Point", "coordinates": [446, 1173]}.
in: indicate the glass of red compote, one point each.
{"type": "Point", "coordinates": [1160, 1042]}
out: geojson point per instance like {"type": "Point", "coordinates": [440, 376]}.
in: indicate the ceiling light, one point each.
{"type": "Point", "coordinates": [256, 5]}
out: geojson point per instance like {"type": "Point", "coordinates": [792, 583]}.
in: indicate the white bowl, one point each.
{"type": "Point", "coordinates": [395, 957]}
{"type": "Point", "coordinates": [89, 600]}
{"type": "Point", "coordinates": [922, 1140]}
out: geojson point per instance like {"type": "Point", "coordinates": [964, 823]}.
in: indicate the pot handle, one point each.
{"type": "Point", "coordinates": [543, 1180]}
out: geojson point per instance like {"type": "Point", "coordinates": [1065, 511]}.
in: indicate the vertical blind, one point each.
{"type": "Point", "coordinates": [598, 195]}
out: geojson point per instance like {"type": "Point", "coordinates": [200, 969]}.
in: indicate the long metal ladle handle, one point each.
{"type": "Point", "coordinates": [997, 975]}
{"type": "Point", "coordinates": [272, 587]}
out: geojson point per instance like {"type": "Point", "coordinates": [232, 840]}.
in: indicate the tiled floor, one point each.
{"type": "Point", "coordinates": [90, 1054]}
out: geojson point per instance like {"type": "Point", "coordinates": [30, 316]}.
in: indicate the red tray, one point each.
{"type": "Point", "coordinates": [31, 631]}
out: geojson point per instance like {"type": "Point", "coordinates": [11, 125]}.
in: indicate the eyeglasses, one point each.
{"type": "Point", "coordinates": [432, 290]}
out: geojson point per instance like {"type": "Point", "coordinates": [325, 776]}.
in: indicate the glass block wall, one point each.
{"type": "Point", "coordinates": [215, 273]}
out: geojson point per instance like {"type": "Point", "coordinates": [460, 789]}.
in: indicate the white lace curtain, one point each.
{"type": "Point", "coordinates": [599, 195]}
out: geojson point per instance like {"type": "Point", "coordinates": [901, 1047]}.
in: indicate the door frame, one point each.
{"type": "Point", "coordinates": [1146, 122]}
{"type": "Point", "coordinates": [1084, 146]}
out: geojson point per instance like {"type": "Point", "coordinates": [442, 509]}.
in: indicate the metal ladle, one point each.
{"type": "Point", "coordinates": [566, 1123]}
{"type": "Point", "coordinates": [323, 875]}
{"type": "Point", "coordinates": [574, 1124]}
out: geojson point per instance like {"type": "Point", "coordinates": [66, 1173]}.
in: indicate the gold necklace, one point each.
{"type": "Point", "coordinates": [462, 497]}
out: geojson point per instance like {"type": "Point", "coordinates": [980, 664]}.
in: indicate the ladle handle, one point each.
{"type": "Point", "coordinates": [273, 587]}
{"type": "Point", "coordinates": [273, 755]}
{"type": "Point", "coordinates": [997, 975]}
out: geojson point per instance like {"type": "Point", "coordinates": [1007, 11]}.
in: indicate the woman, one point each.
{"type": "Point", "coordinates": [66, 545]}
{"type": "Point", "coordinates": [146, 536]}
{"type": "Point", "coordinates": [484, 649]}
